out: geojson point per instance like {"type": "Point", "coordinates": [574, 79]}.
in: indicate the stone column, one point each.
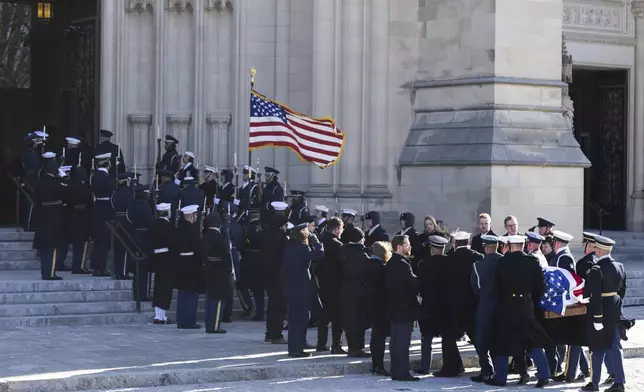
{"type": "Point", "coordinates": [378, 83]}
{"type": "Point", "coordinates": [282, 74]}
{"type": "Point", "coordinates": [324, 57]}
{"type": "Point", "coordinates": [108, 53]}
{"type": "Point", "coordinates": [179, 126]}
{"type": "Point", "coordinates": [241, 109]}
{"type": "Point", "coordinates": [139, 136]}
{"type": "Point", "coordinates": [199, 117]}
{"type": "Point", "coordinates": [636, 213]}
{"type": "Point", "coordinates": [351, 116]}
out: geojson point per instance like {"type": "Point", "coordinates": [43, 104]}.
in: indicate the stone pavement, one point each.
{"type": "Point", "coordinates": [136, 356]}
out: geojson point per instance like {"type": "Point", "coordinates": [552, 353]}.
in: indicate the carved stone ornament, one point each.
{"type": "Point", "coordinates": [220, 5]}
{"type": "Point", "coordinates": [139, 6]}
{"type": "Point", "coordinates": [566, 62]}
{"type": "Point", "coordinates": [566, 77]}
{"type": "Point", "coordinates": [179, 5]}
{"type": "Point", "coordinates": [179, 118]}
{"type": "Point", "coordinates": [594, 16]}
{"type": "Point", "coordinates": [140, 118]}
{"type": "Point", "coordinates": [638, 9]}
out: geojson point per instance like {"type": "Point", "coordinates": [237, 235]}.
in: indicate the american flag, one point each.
{"type": "Point", "coordinates": [563, 288]}
{"type": "Point", "coordinates": [315, 140]}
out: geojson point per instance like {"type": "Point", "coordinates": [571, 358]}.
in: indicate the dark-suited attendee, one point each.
{"type": "Point", "coordinates": [102, 185]}
{"type": "Point", "coordinates": [381, 253]}
{"type": "Point", "coordinates": [141, 217]}
{"type": "Point", "coordinates": [251, 264]}
{"type": "Point", "coordinates": [218, 271]}
{"type": "Point", "coordinates": [273, 244]}
{"type": "Point", "coordinates": [482, 280]}
{"type": "Point", "coordinates": [401, 287]}
{"type": "Point", "coordinates": [407, 220]}
{"type": "Point", "coordinates": [164, 252]}
{"type": "Point", "coordinates": [430, 227]}
{"type": "Point", "coordinates": [485, 228]}
{"type": "Point", "coordinates": [430, 273]}
{"type": "Point", "coordinates": [105, 146]}
{"type": "Point", "coordinates": [511, 224]}
{"type": "Point", "coordinates": [460, 303]}
{"type": "Point", "coordinates": [375, 232]}
{"type": "Point", "coordinates": [297, 286]}
{"type": "Point", "coordinates": [189, 278]}
{"type": "Point", "coordinates": [171, 158]}
{"type": "Point", "coordinates": [187, 168]}
{"type": "Point", "coordinates": [348, 218]}
{"type": "Point", "coordinates": [329, 273]}
{"type": "Point", "coordinates": [355, 263]}
{"type": "Point", "coordinates": [79, 204]}
{"type": "Point", "coordinates": [168, 192]}
{"type": "Point", "coordinates": [547, 248]}
{"type": "Point", "coordinates": [519, 282]}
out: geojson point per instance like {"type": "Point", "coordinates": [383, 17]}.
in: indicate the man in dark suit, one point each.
{"type": "Point", "coordinates": [401, 287]}
{"type": "Point", "coordinates": [375, 232]}
{"type": "Point", "coordinates": [485, 228]}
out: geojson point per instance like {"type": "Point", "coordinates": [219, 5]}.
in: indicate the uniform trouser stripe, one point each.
{"type": "Point", "coordinates": [590, 363]}
{"type": "Point", "coordinates": [82, 266]}
{"type": "Point", "coordinates": [567, 360]}
{"type": "Point", "coordinates": [243, 304]}
{"type": "Point", "coordinates": [217, 316]}
{"type": "Point", "coordinates": [53, 265]}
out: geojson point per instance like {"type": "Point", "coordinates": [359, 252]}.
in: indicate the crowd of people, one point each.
{"type": "Point", "coordinates": [214, 238]}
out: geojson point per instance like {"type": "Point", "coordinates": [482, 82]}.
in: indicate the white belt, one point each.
{"type": "Point", "coordinates": [187, 254]}
{"type": "Point", "coordinates": [103, 198]}
{"type": "Point", "coordinates": [161, 250]}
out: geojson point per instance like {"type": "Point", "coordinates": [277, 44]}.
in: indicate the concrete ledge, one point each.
{"type": "Point", "coordinates": [421, 84]}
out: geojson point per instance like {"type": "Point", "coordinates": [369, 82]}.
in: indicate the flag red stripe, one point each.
{"type": "Point", "coordinates": [291, 146]}
{"type": "Point", "coordinates": [290, 136]}
{"type": "Point", "coordinates": [326, 123]}
{"type": "Point", "coordinates": [311, 139]}
{"type": "Point", "coordinates": [316, 130]}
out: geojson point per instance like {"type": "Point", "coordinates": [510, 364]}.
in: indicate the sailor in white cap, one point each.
{"type": "Point", "coordinates": [71, 152]}
{"type": "Point", "coordinates": [188, 279]}
{"type": "Point", "coordinates": [461, 316]}
{"type": "Point", "coordinates": [348, 217]}
{"type": "Point", "coordinates": [533, 247]}
{"type": "Point", "coordinates": [162, 239]}
{"type": "Point", "coordinates": [519, 282]}
{"type": "Point", "coordinates": [102, 185]}
{"type": "Point", "coordinates": [563, 257]}
{"type": "Point", "coordinates": [187, 168]}
{"type": "Point", "coordinates": [321, 212]}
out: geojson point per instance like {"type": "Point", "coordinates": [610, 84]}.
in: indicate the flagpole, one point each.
{"type": "Point", "coordinates": [253, 72]}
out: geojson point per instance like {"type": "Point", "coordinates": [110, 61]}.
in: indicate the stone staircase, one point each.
{"type": "Point", "coordinates": [629, 250]}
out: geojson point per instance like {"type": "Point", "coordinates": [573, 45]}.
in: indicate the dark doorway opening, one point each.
{"type": "Point", "coordinates": [600, 121]}
{"type": "Point", "coordinates": [48, 77]}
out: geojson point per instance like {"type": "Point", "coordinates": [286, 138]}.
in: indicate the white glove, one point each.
{"type": "Point", "coordinates": [598, 326]}
{"type": "Point", "coordinates": [236, 202]}
{"type": "Point", "coordinates": [216, 201]}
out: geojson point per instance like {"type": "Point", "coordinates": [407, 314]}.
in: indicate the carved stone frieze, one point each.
{"type": "Point", "coordinates": [595, 16]}
{"type": "Point", "coordinates": [179, 5]}
{"type": "Point", "coordinates": [140, 118]}
{"type": "Point", "coordinates": [139, 6]}
{"type": "Point", "coordinates": [179, 118]}
{"type": "Point", "coordinates": [638, 9]}
{"type": "Point", "coordinates": [220, 5]}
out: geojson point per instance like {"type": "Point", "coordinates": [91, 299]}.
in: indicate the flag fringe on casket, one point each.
{"type": "Point", "coordinates": [272, 124]}
{"type": "Point", "coordinates": [563, 289]}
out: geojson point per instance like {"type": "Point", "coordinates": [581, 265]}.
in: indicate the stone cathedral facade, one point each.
{"type": "Point", "coordinates": [451, 107]}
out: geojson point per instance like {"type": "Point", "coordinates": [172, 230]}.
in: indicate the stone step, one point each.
{"type": "Point", "coordinates": [22, 265]}
{"type": "Point", "coordinates": [16, 236]}
{"type": "Point", "coordinates": [54, 297]}
{"type": "Point", "coordinates": [70, 308]}
{"type": "Point", "coordinates": [637, 291]}
{"type": "Point", "coordinates": [16, 245]}
{"type": "Point", "coordinates": [633, 301]}
{"type": "Point", "coordinates": [68, 320]}
{"type": "Point", "coordinates": [18, 255]}
{"type": "Point", "coordinates": [630, 258]}
{"type": "Point", "coordinates": [82, 284]}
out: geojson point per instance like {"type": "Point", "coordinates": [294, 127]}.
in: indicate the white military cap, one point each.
{"type": "Point", "coordinates": [249, 169]}
{"type": "Point", "coordinates": [107, 155]}
{"type": "Point", "coordinates": [322, 208]}
{"type": "Point", "coordinates": [279, 206]}
{"type": "Point", "coordinates": [516, 239]}
{"type": "Point", "coordinates": [49, 155]}
{"type": "Point", "coordinates": [65, 168]}
{"type": "Point", "coordinates": [190, 154]}
{"type": "Point", "coordinates": [164, 206]}
{"type": "Point", "coordinates": [190, 209]}
{"type": "Point", "coordinates": [188, 178]}
{"type": "Point", "coordinates": [41, 134]}
{"type": "Point", "coordinates": [348, 211]}
{"type": "Point", "coordinates": [289, 225]}
{"type": "Point", "coordinates": [72, 140]}
{"type": "Point", "coordinates": [560, 236]}
{"type": "Point", "coordinates": [209, 169]}
{"type": "Point", "coordinates": [461, 235]}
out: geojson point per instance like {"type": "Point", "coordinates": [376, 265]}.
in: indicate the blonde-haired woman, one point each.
{"type": "Point", "coordinates": [381, 253]}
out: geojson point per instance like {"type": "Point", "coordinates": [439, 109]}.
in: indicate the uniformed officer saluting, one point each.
{"type": "Point", "coordinates": [606, 285]}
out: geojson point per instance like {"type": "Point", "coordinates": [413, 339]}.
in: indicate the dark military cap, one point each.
{"type": "Point", "coordinates": [105, 133]}
{"type": "Point", "coordinates": [544, 223]}
{"type": "Point", "coordinates": [171, 139]}
{"type": "Point", "coordinates": [490, 239]}
{"type": "Point", "coordinates": [165, 173]}
{"type": "Point", "coordinates": [126, 175]}
{"type": "Point", "coordinates": [353, 234]}
{"type": "Point", "coordinates": [588, 237]}
{"type": "Point", "coordinates": [534, 237]}
{"type": "Point", "coordinates": [297, 193]}
{"type": "Point", "coordinates": [214, 220]}
{"type": "Point", "coordinates": [268, 169]}
{"type": "Point", "coordinates": [308, 219]}
{"type": "Point", "coordinates": [604, 242]}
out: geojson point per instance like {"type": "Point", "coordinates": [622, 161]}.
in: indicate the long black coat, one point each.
{"type": "Point", "coordinates": [79, 210]}
{"type": "Point", "coordinates": [50, 218]}
{"type": "Point", "coordinates": [379, 234]}
{"type": "Point", "coordinates": [402, 287]}
{"type": "Point", "coordinates": [218, 266]}
{"type": "Point", "coordinates": [273, 244]}
{"type": "Point", "coordinates": [376, 295]}
{"type": "Point", "coordinates": [354, 301]}
{"type": "Point", "coordinates": [163, 235]}
{"type": "Point", "coordinates": [188, 269]}
{"type": "Point", "coordinates": [251, 262]}
{"type": "Point", "coordinates": [519, 282]}
{"type": "Point", "coordinates": [432, 291]}
{"type": "Point", "coordinates": [295, 274]}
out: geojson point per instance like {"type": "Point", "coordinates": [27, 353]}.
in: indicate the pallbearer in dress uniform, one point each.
{"type": "Point", "coordinates": [171, 158]}
{"type": "Point", "coordinates": [31, 161]}
{"type": "Point", "coordinates": [191, 195]}
{"type": "Point", "coordinates": [248, 195]}
{"type": "Point", "coordinates": [73, 156]}
{"type": "Point", "coordinates": [141, 218]}
{"type": "Point", "coordinates": [272, 191]}
{"type": "Point", "coordinates": [273, 243]}
{"type": "Point", "coordinates": [606, 285]}
{"type": "Point", "coordinates": [188, 269]}
{"type": "Point", "coordinates": [251, 264]}
{"type": "Point", "coordinates": [49, 196]}
{"type": "Point", "coordinates": [79, 205]}
{"type": "Point", "coordinates": [563, 257]}
{"type": "Point", "coordinates": [374, 232]}
{"type": "Point", "coordinates": [169, 192]}
{"type": "Point", "coordinates": [218, 271]}
{"type": "Point", "coordinates": [164, 252]}
{"type": "Point", "coordinates": [482, 280]}
{"type": "Point", "coordinates": [187, 168]}
{"type": "Point", "coordinates": [321, 213]}
{"type": "Point", "coordinates": [545, 226]}
{"type": "Point", "coordinates": [63, 249]}
{"type": "Point", "coordinates": [209, 187]}
{"type": "Point", "coordinates": [102, 185]}
{"type": "Point", "coordinates": [121, 199]}
{"type": "Point", "coordinates": [348, 218]}
{"type": "Point", "coordinates": [226, 191]}
{"type": "Point", "coordinates": [586, 263]}
{"type": "Point", "coordinates": [299, 210]}
{"type": "Point", "coordinates": [47, 158]}
{"type": "Point", "coordinates": [105, 146]}
{"type": "Point", "coordinates": [533, 247]}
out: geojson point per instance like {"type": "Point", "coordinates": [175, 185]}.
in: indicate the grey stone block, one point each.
{"type": "Point", "coordinates": [13, 235]}
{"type": "Point", "coordinates": [25, 265]}
{"type": "Point", "coordinates": [74, 308]}
{"type": "Point", "coordinates": [16, 245]}
{"type": "Point", "coordinates": [70, 320]}
{"type": "Point", "coordinates": [17, 255]}
{"type": "Point", "coordinates": [65, 296]}
{"type": "Point", "coordinates": [99, 284]}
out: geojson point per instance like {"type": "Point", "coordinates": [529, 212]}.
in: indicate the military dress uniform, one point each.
{"type": "Point", "coordinates": [102, 187]}
{"type": "Point", "coordinates": [188, 170]}
{"type": "Point", "coordinates": [299, 210]}
{"type": "Point", "coordinates": [376, 232]}
{"type": "Point", "coordinates": [209, 189]}
{"type": "Point", "coordinates": [272, 192]}
{"type": "Point", "coordinates": [120, 201]}
{"type": "Point", "coordinates": [161, 262]}
{"type": "Point", "coordinates": [273, 243]}
{"type": "Point", "coordinates": [188, 270]}
{"type": "Point", "coordinates": [190, 194]}
{"type": "Point", "coordinates": [117, 163]}
{"type": "Point", "coordinates": [251, 266]}
{"type": "Point", "coordinates": [79, 205]}
{"type": "Point", "coordinates": [141, 218]}
{"type": "Point", "coordinates": [169, 192]}
{"type": "Point", "coordinates": [348, 216]}
{"type": "Point", "coordinates": [31, 162]}
{"type": "Point", "coordinates": [171, 160]}
{"type": "Point", "coordinates": [248, 196]}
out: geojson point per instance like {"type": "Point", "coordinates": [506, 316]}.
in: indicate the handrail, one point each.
{"type": "Point", "coordinates": [20, 187]}
{"type": "Point", "coordinates": [131, 247]}
{"type": "Point", "coordinates": [600, 212]}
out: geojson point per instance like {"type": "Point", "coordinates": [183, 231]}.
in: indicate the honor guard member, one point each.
{"type": "Point", "coordinates": [375, 232]}
{"type": "Point", "coordinates": [79, 205]}
{"type": "Point", "coordinates": [430, 271]}
{"type": "Point", "coordinates": [163, 242]}
{"type": "Point", "coordinates": [121, 200]}
{"type": "Point", "coordinates": [460, 303]}
{"type": "Point", "coordinates": [192, 195]}
{"type": "Point", "coordinates": [72, 154]}
{"type": "Point", "coordinates": [187, 168]}
{"type": "Point", "coordinates": [117, 163]}
{"type": "Point", "coordinates": [226, 191]}
{"type": "Point", "coordinates": [31, 162]}
{"type": "Point", "coordinates": [586, 263]}
{"type": "Point", "coordinates": [251, 264]}
{"type": "Point", "coordinates": [63, 249]}
{"type": "Point", "coordinates": [217, 272]}
{"type": "Point", "coordinates": [606, 285]}
{"type": "Point", "coordinates": [407, 220]}
{"type": "Point", "coordinates": [299, 209]}
{"type": "Point", "coordinates": [209, 187]}
{"type": "Point", "coordinates": [273, 243]}
{"type": "Point", "coordinates": [482, 281]}
{"type": "Point", "coordinates": [48, 157]}
{"type": "Point", "coordinates": [49, 196]}
{"type": "Point", "coordinates": [171, 158]}
{"type": "Point", "coordinates": [348, 218]}
{"type": "Point", "coordinates": [188, 269]}
{"type": "Point", "coordinates": [272, 191]}
{"type": "Point", "coordinates": [563, 257]}
{"type": "Point", "coordinates": [519, 282]}
{"type": "Point", "coordinates": [533, 247]}
{"type": "Point", "coordinates": [141, 218]}
{"type": "Point", "coordinates": [169, 192]}
{"type": "Point", "coordinates": [321, 213]}
{"type": "Point", "coordinates": [248, 195]}
{"type": "Point", "coordinates": [544, 225]}
{"type": "Point", "coordinates": [102, 187]}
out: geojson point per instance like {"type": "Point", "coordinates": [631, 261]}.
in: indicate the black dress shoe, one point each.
{"type": "Point", "coordinates": [408, 378]}
{"type": "Point", "coordinates": [321, 349]}
{"type": "Point", "coordinates": [609, 380]}
{"type": "Point", "coordinates": [559, 378]}
{"type": "Point", "coordinates": [444, 373]}
{"type": "Point", "coordinates": [170, 322]}
{"type": "Point", "coordinates": [309, 346]}
{"type": "Point", "coordinates": [590, 387]}
{"type": "Point", "coordinates": [338, 351]}
{"type": "Point", "coordinates": [101, 274]}
{"type": "Point", "coordinates": [53, 278]}
{"type": "Point", "coordinates": [523, 379]}
{"type": "Point", "coordinates": [481, 378]}
{"type": "Point", "coordinates": [216, 330]}
{"type": "Point", "coordinates": [227, 321]}
{"type": "Point", "coordinates": [158, 322]}
{"type": "Point", "coordinates": [380, 371]}
{"type": "Point", "coordinates": [63, 269]}
{"type": "Point", "coordinates": [184, 326]}
{"type": "Point", "coordinates": [358, 354]}
{"type": "Point", "coordinates": [615, 388]}
{"type": "Point", "coordinates": [542, 383]}
{"type": "Point", "coordinates": [80, 272]}
{"type": "Point", "coordinates": [494, 382]}
{"type": "Point", "coordinates": [279, 341]}
{"type": "Point", "coordinates": [421, 371]}
{"type": "Point", "coordinates": [299, 355]}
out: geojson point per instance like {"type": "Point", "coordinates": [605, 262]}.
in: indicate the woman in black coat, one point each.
{"type": "Point", "coordinates": [297, 287]}
{"type": "Point", "coordinates": [377, 300]}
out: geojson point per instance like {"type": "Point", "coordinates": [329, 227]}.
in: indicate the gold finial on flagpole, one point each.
{"type": "Point", "coordinates": [253, 72]}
